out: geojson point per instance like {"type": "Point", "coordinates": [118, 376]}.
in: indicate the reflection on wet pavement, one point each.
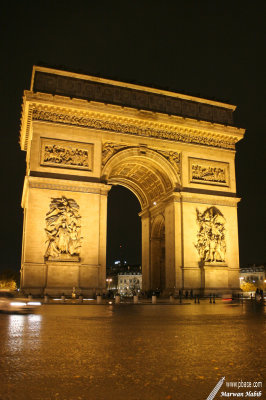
{"type": "Point", "coordinates": [133, 352]}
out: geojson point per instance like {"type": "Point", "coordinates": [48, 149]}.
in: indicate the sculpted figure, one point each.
{"type": "Point", "coordinates": [107, 152]}
{"type": "Point", "coordinates": [63, 228]}
{"type": "Point", "coordinates": [65, 155]}
{"type": "Point", "coordinates": [211, 240]}
{"type": "Point", "coordinates": [211, 174]}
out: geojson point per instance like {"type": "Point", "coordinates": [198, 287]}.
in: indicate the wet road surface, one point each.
{"type": "Point", "coordinates": [147, 352]}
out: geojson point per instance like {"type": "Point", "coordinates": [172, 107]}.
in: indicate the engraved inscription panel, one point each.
{"type": "Point", "coordinates": [65, 154]}
{"type": "Point", "coordinates": [208, 172]}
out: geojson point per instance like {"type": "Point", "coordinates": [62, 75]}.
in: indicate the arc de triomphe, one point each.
{"type": "Point", "coordinates": [83, 134]}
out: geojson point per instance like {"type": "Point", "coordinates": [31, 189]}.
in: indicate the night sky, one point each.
{"type": "Point", "coordinates": [209, 49]}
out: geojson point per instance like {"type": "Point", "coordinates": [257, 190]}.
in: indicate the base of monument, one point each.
{"type": "Point", "coordinates": [58, 277]}
{"type": "Point", "coordinates": [63, 258]}
{"type": "Point", "coordinates": [58, 292]}
{"type": "Point", "coordinates": [221, 292]}
{"type": "Point", "coordinates": [202, 292]}
{"type": "Point", "coordinates": [215, 264]}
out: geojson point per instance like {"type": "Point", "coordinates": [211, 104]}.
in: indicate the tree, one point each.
{"type": "Point", "coordinates": [8, 280]}
{"type": "Point", "coordinates": [248, 287]}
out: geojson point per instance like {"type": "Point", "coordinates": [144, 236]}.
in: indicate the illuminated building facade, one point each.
{"type": "Point", "coordinates": [176, 153]}
{"type": "Point", "coordinates": [255, 274]}
{"type": "Point", "coordinates": [129, 283]}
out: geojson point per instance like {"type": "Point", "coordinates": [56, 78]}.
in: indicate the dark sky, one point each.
{"type": "Point", "coordinates": [204, 48]}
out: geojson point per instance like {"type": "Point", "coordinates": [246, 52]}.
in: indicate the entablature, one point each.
{"type": "Point", "coordinates": [222, 199]}
{"type": "Point", "coordinates": [107, 117]}
{"type": "Point", "coordinates": [62, 185]}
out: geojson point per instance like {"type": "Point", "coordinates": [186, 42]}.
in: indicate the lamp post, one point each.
{"type": "Point", "coordinates": [241, 280]}
{"type": "Point", "coordinates": [108, 280]}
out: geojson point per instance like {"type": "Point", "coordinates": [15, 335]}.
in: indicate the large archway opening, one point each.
{"type": "Point", "coordinates": [152, 178]}
{"type": "Point", "coordinates": [123, 227]}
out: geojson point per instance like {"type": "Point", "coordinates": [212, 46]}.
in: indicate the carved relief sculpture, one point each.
{"type": "Point", "coordinates": [109, 149]}
{"type": "Point", "coordinates": [60, 155]}
{"type": "Point", "coordinates": [63, 229]}
{"type": "Point", "coordinates": [174, 158]}
{"type": "Point", "coordinates": [66, 154]}
{"type": "Point", "coordinates": [132, 128]}
{"type": "Point", "coordinates": [210, 172]}
{"type": "Point", "coordinates": [211, 235]}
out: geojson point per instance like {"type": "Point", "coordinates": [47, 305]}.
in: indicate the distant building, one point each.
{"type": "Point", "coordinates": [124, 278]}
{"type": "Point", "coordinates": [253, 274]}
{"type": "Point", "coordinates": [128, 283]}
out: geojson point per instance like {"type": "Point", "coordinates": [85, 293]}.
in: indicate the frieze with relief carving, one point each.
{"type": "Point", "coordinates": [63, 230]}
{"type": "Point", "coordinates": [211, 236]}
{"type": "Point", "coordinates": [130, 127]}
{"type": "Point", "coordinates": [66, 154]}
{"type": "Point", "coordinates": [209, 172]}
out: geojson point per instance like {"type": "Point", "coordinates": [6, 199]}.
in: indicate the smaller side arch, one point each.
{"type": "Point", "coordinates": [158, 253]}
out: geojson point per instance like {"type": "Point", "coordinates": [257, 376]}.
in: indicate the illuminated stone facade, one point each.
{"type": "Point", "coordinates": [129, 283]}
{"type": "Point", "coordinates": [176, 153]}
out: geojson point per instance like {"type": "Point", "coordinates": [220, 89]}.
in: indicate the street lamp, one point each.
{"type": "Point", "coordinates": [108, 280]}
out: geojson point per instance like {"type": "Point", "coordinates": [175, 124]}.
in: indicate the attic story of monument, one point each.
{"type": "Point", "coordinates": [176, 153]}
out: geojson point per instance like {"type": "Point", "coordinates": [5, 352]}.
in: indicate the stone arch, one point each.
{"type": "Point", "coordinates": [113, 140]}
{"type": "Point", "coordinates": [158, 252]}
{"type": "Point", "coordinates": [147, 173]}
{"type": "Point", "coordinates": [157, 226]}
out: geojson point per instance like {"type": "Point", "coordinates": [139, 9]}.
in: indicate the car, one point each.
{"type": "Point", "coordinates": [12, 304]}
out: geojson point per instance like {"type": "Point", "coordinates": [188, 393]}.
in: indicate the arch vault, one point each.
{"type": "Point", "coordinates": [82, 135]}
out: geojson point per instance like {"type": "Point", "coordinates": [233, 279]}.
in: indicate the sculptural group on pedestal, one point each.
{"type": "Point", "coordinates": [63, 228]}
{"type": "Point", "coordinates": [211, 235]}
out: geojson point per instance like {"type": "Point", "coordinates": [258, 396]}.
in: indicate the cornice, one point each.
{"type": "Point", "coordinates": [92, 115]}
{"type": "Point", "coordinates": [64, 185]}
{"type": "Point", "coordinates": [208, 199]}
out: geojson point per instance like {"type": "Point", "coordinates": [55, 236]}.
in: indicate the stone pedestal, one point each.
{"type": "Point", "coordinates": [99, 299]}
{"type": "Point", "coordinates": [55, 274]}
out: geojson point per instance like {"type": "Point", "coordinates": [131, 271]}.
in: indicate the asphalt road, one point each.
{"type": "Point", "coordinates": [134, 352]}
